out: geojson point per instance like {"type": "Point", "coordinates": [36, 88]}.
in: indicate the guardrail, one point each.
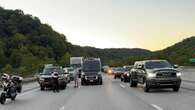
{"type": "Point", "coordinates": [26, 80]}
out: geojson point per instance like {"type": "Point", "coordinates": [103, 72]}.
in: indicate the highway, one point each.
{"type": "Point", "coordinates": [112, 95]}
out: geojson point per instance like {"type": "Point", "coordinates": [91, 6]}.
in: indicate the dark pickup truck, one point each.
{"type": "Point", "coordinates": [45, 79]}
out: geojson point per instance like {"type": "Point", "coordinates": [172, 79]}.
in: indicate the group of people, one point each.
{"type": "Point", "coordinates": [55, 77]}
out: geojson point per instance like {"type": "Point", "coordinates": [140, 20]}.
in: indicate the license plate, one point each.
{"type": "Point", "coordinates": [91, 80]}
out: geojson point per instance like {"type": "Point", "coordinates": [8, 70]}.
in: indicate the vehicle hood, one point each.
{"type": "Point", "coordinates": [45, 76]}
{"type": "Point", "coordinates": [91, 73]}
{"type": "Point", "coordinates": [118, 71]}
{"type": "Point", "coordinates": [156, 70]}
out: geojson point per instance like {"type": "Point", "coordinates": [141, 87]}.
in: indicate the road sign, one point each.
{"type": "Point", "coordinates": [192, 60]}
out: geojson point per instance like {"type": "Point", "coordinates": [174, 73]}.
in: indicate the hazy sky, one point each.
{"type": "Point", "coordinates": [149, 24]}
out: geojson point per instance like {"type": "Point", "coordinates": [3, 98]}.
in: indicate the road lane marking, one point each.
{"type": "Point", "coordinates": [156, 107]}
{"type": "Point", "coordinates": [29, 92]}
{"type": "Point", "coordinates": [122, 85]}
{"type": "Point", "coordinates": [62, 108]}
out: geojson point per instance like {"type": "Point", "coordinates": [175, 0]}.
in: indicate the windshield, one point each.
{"type": "Point", "coordinates": [76, 65]}
{"type": "Point", "coordinates": [70, 69]}
{"type": "Point", "coordinates": [91, 66]}
{"type": "Point", "coordinates": [157, 64]}
{"type": "Point", "coordinates": [49, 71]}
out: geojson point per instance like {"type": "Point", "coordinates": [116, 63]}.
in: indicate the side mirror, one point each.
{"type": "Point", "coordinates": [175, 66]}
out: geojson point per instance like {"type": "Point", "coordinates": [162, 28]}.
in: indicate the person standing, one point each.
{"type": "Point", "coordinates": [55, 77]}
{"type": "Point", "coordinates": [75, 75]}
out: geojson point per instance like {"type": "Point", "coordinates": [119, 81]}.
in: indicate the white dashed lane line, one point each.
{"type": "Point", "coordinates": [62, 108]}
{"type": "Point", "coordinates": [122, 86]}
{"type": "Point", "coordinates": [156, 107]}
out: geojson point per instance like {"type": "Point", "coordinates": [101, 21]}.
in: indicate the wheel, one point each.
{"type": "Point", "coordinates": [42, 88]}
{"type": "Point", "coordinates": [146, 87]}
{"type": "Point", "coordinates": [2, 98]}
{"type": "Point", "coordinates": [13, 98]}
{"type": "Point", "coordinates": [176, 89]}
{"type": "Point", "coordinates": [121, 79]}
{"type": "Point", "coordinates": [100, 82]}
{"type": "Point", "coordinates": [63, 87]}
{"type": "Point", "coordinates": [82, 83]}
{"type": "Point", "coordinates": [19, 89]}
{"type": "Point", "coordinates": [133, 83]}
{"type": "Point", "coordinates": [125, 80]}
{"type": "Point", "coordinates": [114, 77]}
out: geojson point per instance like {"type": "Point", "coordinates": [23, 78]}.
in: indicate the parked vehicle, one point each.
{"type": "Point", "coordinates": [45, 78]}
{"type": "Point", "coordinates": [155, 74]}
{"type": "Point", "coordinates": [11, 86]}
{"type": "Point", "coordinates": [105, 69]}
{"type": "Point", "coordinates": [91, 71]}
{"type": "Point", "coordinates": [126, 75]}
{"type": "Point", "coordinates": [118, 71]}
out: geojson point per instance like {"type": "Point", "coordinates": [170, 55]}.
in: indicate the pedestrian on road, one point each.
{"type": "Point", "coordinates": [75, 75]}
{"type": "Point", "coordinates": [55, 77]}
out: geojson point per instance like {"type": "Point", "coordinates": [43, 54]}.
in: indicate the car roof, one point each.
{"type": "Point", "coordinates": [144, 61]}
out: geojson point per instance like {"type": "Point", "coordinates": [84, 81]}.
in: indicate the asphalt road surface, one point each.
{"type": "Point", "coordinates": [112, 95]}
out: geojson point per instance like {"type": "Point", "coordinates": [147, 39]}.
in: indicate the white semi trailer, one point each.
{"type": "Point", "coordinates": [76, 62]}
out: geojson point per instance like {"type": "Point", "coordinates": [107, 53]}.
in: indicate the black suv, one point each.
{"type": "Point", "coordinates": [155, 74]}
{"type": "Point", "coordinates": [45, 78]}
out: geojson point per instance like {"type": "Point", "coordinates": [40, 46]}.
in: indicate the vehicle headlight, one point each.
{"type": "Point", "coordinates": [151, 75]}
{"type": "Point", "coordinates": [178, 74]}
{"type": "Point", "coordinates": [82, 73]}
{"type": "Point", "coordinates": [41, 79]}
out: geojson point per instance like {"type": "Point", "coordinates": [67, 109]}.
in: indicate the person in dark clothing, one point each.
{"type": "Point", "coordinates": [55, 77]}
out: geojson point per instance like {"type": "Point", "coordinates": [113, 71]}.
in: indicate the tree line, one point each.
{"type": "Point", "coordinates": [26, 45]}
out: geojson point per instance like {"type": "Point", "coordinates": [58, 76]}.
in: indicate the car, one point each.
{"type": "Point", "coordinates": [45, 78]}
{"type": "Point", "coordinates": [125, 77]}
{"type": "Point", "coordinates": [155, 74]}
{"type": "Point", "coordinates": [118, 71]}
{"type": "Point", "coordinates": [91, 71]}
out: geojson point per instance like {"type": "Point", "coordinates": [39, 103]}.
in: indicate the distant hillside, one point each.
{"type": "Point", "coordinates": [180, 52]}
{"type": "Point", "coordinates": [109, 54]}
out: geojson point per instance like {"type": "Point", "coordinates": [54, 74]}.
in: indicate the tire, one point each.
{"type": "Point", "coordinates": [121, 79]}
{"type": "Point", "coordinates": [13, 98]}
{"type": "Point", "coordinates": [101, 82]}
{"type": "Point", "coordinates": [82, 83]}
{"type": "Point", "coordinates": [42, 88]}
{"type": "Point", "coordinates": [146, 87]}
{"type": "Point", "coordinates": [2, 98]}
{"type": "Point", "coordinates": [19, 89]}
{"type": "Point", "coordinates": [125, 80]}
{"type": "Point", "coordinates": [133, 83]}
{"type": "Point", "coordinates": [114, 77]}
{"type": "Point", "coordinates": [63, 87]}
{"type": "Point", "coordinates": [176, 89]}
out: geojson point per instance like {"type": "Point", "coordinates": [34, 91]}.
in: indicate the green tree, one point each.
{"type": "Point", "coordinates": [7, 69]}
{"type": "Point", "coordinates": [65, 60]}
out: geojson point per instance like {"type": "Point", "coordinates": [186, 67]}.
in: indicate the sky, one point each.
{"type": "Point", "coordinates": [148, 24]}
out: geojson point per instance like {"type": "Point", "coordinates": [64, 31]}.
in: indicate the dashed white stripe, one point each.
{"type": "Point", "coordinates": [29, 92]}
{"type": "Point", "coordinates": [156, 107]}
{"type": "Point", "coordinates": [62, 108]}
{"type": "Point", "coordinates": [122, 86]}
